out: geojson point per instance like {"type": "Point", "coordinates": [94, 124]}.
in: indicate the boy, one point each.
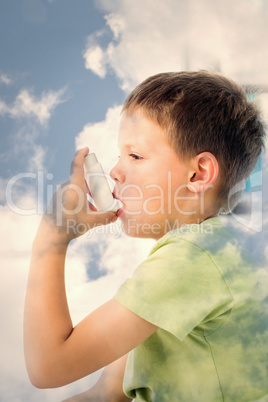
{"type": "Point", "coordinates": [193, 318]}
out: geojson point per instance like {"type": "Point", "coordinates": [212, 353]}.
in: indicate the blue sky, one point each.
{"type": "Point", "coordinates": [42, 50]}
{"type": "Point", "coordinates": [66, 67]}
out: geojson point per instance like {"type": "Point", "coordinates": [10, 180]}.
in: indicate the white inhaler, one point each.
{"type": "Point", "coordinates": [99, 186]}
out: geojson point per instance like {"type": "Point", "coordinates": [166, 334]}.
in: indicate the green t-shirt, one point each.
{"type": "Point", "coordinates": [210, 302]}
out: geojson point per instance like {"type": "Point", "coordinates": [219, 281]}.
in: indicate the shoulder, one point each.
{"type": "Point", "coordinates": [205, 238]}
{"type": "Point", "coordinates": [209, 239]}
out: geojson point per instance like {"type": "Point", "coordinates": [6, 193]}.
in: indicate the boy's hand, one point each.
{"type": "Point", "coordinates": [70, 211]}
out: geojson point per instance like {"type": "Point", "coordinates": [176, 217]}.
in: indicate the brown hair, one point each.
{"type": "Point", "coordinates": [205, 111]}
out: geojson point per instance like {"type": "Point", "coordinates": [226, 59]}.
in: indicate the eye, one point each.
{"type": "Point", "coordinates": [136, 157]}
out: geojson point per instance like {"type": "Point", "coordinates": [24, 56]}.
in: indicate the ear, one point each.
{"type": "Point", "coordinates": [204, 172]}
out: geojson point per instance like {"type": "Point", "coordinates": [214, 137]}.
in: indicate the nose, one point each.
{"type": "Point", "coordinates": [117, 172]}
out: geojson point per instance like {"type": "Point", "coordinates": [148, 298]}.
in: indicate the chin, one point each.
{"type": "Point", "coordinates": [141, 231]}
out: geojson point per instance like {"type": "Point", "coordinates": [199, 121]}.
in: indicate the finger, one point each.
{"type": "Point", "coordinates": [77, 166]}
{"type": "Point", "coordinates": [78, 160]}
{"type": "Point", "coordinates": [102, 218]}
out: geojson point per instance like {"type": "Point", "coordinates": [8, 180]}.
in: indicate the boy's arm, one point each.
{"type": "Point", "coordinates": [55, 352]}
{"type": "Point", "coordinates": [109, 386]}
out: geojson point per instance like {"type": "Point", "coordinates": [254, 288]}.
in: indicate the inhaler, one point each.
{"type": "Point", "coordinates": [99, 187]}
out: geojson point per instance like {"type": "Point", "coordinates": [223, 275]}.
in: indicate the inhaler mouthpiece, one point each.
{"type": "Point", "coordinates": [99, 186]}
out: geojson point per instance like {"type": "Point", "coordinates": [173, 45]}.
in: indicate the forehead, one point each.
{"type": "Point", "coordinates": [136, 128]}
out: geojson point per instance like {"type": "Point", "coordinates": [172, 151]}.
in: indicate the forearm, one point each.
{"type": "Point", "coordinates": [109, 387]}
{"type": "Point", "coordinates": [47, 322]}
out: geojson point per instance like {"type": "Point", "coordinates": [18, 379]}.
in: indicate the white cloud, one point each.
{"type": "Point", "coordinates": [101, 138]}
{"type": "Point", "coordinates": [4, 79]}
{"type": "Point", "coordinates": [28, 105]}
{"type": "Point", "coordinates": [116, 24]}
{"type": "Point", "coordinates": [32, 114]}
{"type": "Point", "coordinates": [25, 148]}
{"type": "Point", "coordinates": [171, 35]}
{"type": "Point", "coordinates": [36, 162]}
{"type": "Point", "coordinates": [96, 60]}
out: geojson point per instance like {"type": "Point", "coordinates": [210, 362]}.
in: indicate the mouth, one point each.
{"type": "Point", "coordinates": [122, 206]}
{"type": "Point", "coordinates": [119, 212]}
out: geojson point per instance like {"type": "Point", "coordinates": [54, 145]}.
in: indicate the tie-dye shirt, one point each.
{"type": "Point", "coordinates": [210, 302]}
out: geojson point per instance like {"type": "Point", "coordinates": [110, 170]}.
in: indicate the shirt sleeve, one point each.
{"type": "Point", "coordinates": [176, 288]}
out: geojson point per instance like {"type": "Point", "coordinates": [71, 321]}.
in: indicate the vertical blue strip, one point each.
{"type": "Point", "coordinates": [254, 182]}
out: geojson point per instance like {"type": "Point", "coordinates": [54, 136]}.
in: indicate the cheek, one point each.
{"type": "Point", "coordinates": [147, 201]}
{"type": "Point", "coordinates": [154, 200]}
{"type": "Point", "coordinates": [151, 193]}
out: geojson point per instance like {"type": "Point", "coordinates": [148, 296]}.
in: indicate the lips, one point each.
{"type": "Point", "coordinates": [121, 209]}
{"type": "Point", "coordinates": [119, 212]}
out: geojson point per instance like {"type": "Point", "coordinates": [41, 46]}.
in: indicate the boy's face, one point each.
{"type": "Point", "coordinates": [150, 179]}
